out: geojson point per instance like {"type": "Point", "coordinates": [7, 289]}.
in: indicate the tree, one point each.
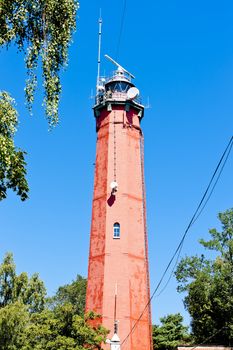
{"type": "Point", "coordinates": [20, 296]}
{"type": "Point", "coordinates": [20, 288]}
{"type": "Point", "coordinates": [42, 30]}
{"type": "Point", "coordinates": [209, 286]}
{"type": "Point", "coordinates": [60, 330]}
{"type": "Point", "coordinates": [171, 333]}
{"type": "Point", "coordinates": [73, 293]}
{"type": "Point", "coordinates": [75, 327]}
{"type": "Point", "coordinates": [27, 322]}
{"type": "Point", "coordinates": [12, 163]}
{"type": "Point", "coordinates": [13, 320]}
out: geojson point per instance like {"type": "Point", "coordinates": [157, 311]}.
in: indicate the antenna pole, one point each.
{"type": "Point", "coordinates": [115, 309]}
{"type": "Point", "coordinates": [99, 52]}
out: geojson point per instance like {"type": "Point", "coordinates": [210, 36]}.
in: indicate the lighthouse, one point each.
{"type": "Point", "coordinates": [118, 275]}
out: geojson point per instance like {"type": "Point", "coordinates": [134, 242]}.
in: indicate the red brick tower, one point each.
{"type": "Point", "coordinates": [118, 258]}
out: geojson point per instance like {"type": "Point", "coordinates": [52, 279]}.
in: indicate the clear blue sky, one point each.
{"type": "Point", "coordinates": [181, 53]}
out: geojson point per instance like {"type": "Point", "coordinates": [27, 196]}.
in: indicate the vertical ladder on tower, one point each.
{"type": "Point", "coordinates": [145, 230]}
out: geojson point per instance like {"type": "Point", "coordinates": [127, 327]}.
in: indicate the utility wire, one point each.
{"type": "Point", "coordinates": [201, 210]}
{"type": "Point", "coordinates": [218, 177]}
{"type": "Point", "coordinates": [193, 219]}
{"type": "Point", "coordinates": [121, 29]}
{"type": "Point", "coordinates": [209, 338]}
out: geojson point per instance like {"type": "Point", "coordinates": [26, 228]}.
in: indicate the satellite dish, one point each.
{"type": "Point", "coordinates": [132, 93]}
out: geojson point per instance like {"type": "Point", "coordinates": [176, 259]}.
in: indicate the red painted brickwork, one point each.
{"type": "Point", "coordinates": [119, 261]}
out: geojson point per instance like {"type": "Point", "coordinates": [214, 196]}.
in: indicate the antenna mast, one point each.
{"type": "Point", "coordinates": [119, 67]}
{"type": "Point", "coordinates": [99, 52]}
{"type": "Point", "coordinates": [115, 307]}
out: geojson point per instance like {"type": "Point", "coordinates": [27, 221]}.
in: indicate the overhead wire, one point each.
{"type": "Point", "coordinates": [209, 338]}
{"type": "Point", "coordinates": [121, 29]}
{"type": "Point", "coordinates": [218, 177]}
{"type": "Point", "coordinates": [195, 216]}
{"type": "Point", "coordinates": [227, 153]}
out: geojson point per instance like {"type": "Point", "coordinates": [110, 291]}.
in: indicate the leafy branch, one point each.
{"type": "Point", "coordinates": [12, 162]}
{"type": "Point", "coordinates": [43, 30]}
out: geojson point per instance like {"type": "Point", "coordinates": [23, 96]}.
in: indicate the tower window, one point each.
{"type": "Point", "coordinates": [116, 230]}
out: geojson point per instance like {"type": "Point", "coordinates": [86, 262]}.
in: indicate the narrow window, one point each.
{"type": "Point", "coordinates": [116, 230]}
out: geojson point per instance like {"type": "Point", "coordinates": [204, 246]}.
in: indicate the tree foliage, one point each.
{"type": "Point", "coordinates": [28, 322]}
{"type": "Point", "coordinates": [12, 162]}
{"type": "Point", "coordinates": [20, 288]}
{"type": "Point", "coordinates": [170, 333]}
{"type": "Point", "coordinates": [73, 294]}
{"type": "Point", "coordinates": [209, 286]}
{"type": "Point", "coordinates": [43, 30]}
{"type": "Point", "coordinates": [13, 320]}
{"type": "Point", "coordinates": [60, 330]}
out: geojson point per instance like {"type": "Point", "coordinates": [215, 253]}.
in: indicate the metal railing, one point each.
{"type": "Point", "coordinates": [115, 96]}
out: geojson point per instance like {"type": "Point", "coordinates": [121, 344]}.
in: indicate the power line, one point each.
{"type": "Point", "coordinates": [209, 338]}
{"type": "Point", "coordinates": [121, 29]}
{"type": "Point", "coordinates": [193, 219]}
{"type": "Point", "coordinates": [226, 153]}
{"type": "Point", "coordinates": [218, 177]}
